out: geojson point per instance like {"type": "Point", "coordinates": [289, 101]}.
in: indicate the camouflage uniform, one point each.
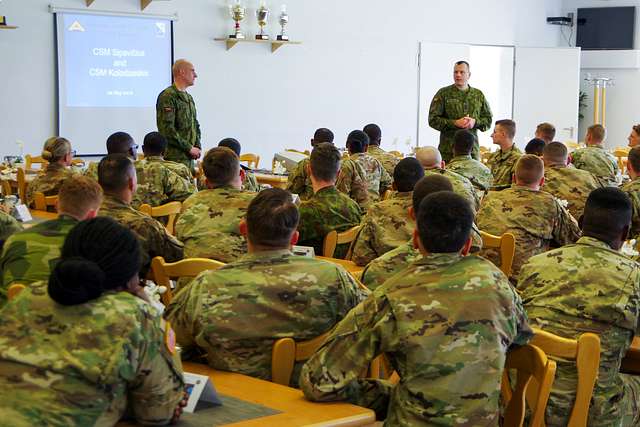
{"type": "Point", "coordinates": [153, 237]}
{"type": "Point", "coordinates": [461, 185]}
{"type": "Point", "coordinates": [209, 224]}
{"type": "Point", "coordinates": [92, 171]}
{"type": "Point", "coordinates": [445, 325]}
{"type": "Point", "coordinates": [503, 165]}
{"type": "Point", "coordinates": [588, 287]}
{"type": "Point", "coordinates": [327, 210]}
{"type": "Point", "coordinates": [535, 218]}
{"type": "Point", "coordinates": [598, 161]}
{"type": "Point", "coordinates": [178, 168]}
{"type": "Point", "coordinates": [86, 364]}
{"type": "Point", "coordinates": [299, 181]}
{"type": "Point", "coordinates": [385, 227]}
{"type": "Point", "coordinates": [376, 177]}
{"type": "Point", "coordinates": [236, 313]}
{"type": "Point", "coordinates": [158, 185]}
{"type": "Point", "coordinates": [632, 188]}
{"type": "Point", "coordinates": [450, 104]}
{"type": "Point", "coordinates": [570, 184]}
{"type": "Point", "coordinates": [250, 182]}
{"type": "Point", "coordinates": [30, 255]}
{"type": "Point", "coordinates": [388, 160]}
{"type": "Point", "coordinates": [8, 226]}
{"type": "Point", "coordinates": [352, 181]}
{"type": "Point", "coordinates": [176, 120]}
{"type": "Point", "coordinates": [48, 181]}
{"type": "Point", "coordinates": [479, 175]}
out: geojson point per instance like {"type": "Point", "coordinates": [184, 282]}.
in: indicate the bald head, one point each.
{"type": "Point", "coordinates": [184, 74]}
{"type": "Point", "coordinates": [180, 65]}
{"type": "Point", "coordinates": [429, 157]}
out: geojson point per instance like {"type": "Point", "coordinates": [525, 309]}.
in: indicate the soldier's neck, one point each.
{"type": "Point", "coordinates": [463, 88]}
{"type": "Point", "coordinates": [180, 86]}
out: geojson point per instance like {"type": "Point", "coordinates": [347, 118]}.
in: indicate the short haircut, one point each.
{"type": "Point", "coordinates": [464, 63]}
{"type": "Point", "coordinates": [429, 157]}
{"type": "Point", "coordinates": [636, 129]}
{"type": "Point", "coordinates": [114, 171]}
{"type": "Point", "coordinates": [374, 133]}
{"type": "Point", "coordinates": [598, 132]}
{"type": "Point", "coordinates": [463, 142]}
{"type": "Point", "coordinates": [272, 217]}
{"type": "Point", "coordinates": [634, 158]}
{"type": "Point", "coordinates": [221, 166]}
{"type": "Point", "coordinates": [529, 169]}
{"type": "Point", "coordinates": [325, 162]}
{"type": "Point", "coordinates": [555, 152]}
{"type": "Point", "coordinates": [322, 135]}
{"type": "Point", "coordinates": [55, 149]}
{"type": "Point", "coordinates": [444, 222]}
{"type": "Point", "coordinates": [607, 212]}
{"type": "Point", "coordinates": [357, 141]}
{"type": "Point", "coordinates": [508, 126]}
{"type": "Point", "coordinates": [119, 142]}
{"type": "Point", "coordinates": [179, 65]}
{"type": "Point", "coordinates": [232, 144]}
{"type": "Point", "coordinates": [407, 173]}
{"type": "Point", "coordinates": [154, 144]}
{"type": "Point", "coordinates": [428, 185]}
{"type": "Point", "coordinates": [547, 131]}
{"type": "Point", "coordinates": [535, 146]}
{"type": "Point", "coordinates": [78, 195]}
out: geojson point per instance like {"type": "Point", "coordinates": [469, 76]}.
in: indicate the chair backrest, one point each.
{"type": "Point", "coordinates": [6, 188]}
{"type": "Point", "coordinates": [293, 150]}
{"type": "Point", "coordinates": [78, 162]}
{"type": "Point", "coordinates": [30, 160]}
{"type": "Point", "coordinates": [286, 352]}
{"type": "Point", "coordinates": [171, 210]}
{"type": "Point", "coordinates": [14, 290]}
{"type": "Point", "coordinates": [622, 153]}
{"type": "Point", "coordinates": [42, 202]}
{"type": "Point", "coordinates": [586, 353]}
{"type": "Point", "coordinates": [22, 185]}
{"type": "Point", "coordinates": [163, 271]}
{"type": "Point", "coordinates": [333, 239]}
{"type": "Point", "coordinates": [397, 154]}
{"type": "Point", "coordinates": [484, 156]}
{"type": "Point", "coordinates": [506, 245]}
{"type": "Point", "coordinates": [253, 160]}
{"type": "Point", "coordinates": [530, 363]}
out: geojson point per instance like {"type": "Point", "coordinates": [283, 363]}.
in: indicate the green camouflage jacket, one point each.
{"type": "Point", "coordinates": [236, 313]}
{"type": "Point", "coordinates": [92, 171]}
{"type": "Point", "coordinates": [388, 160]}
{"type": "Point", "coordinates": [503, 165]}
{"type": "Point", "coordinates": [182, 170]}
{"type": "Point", "coordinates": [8, 226]}
{"type": "Point", "coordinates": [48, 181]}
{"type": "Point", "coordinates": [479, 175]}
{"type": "Point", "coordinates": [632, 188]}
{"type": "Point", "coordinates": [209, 224]}
{"type": "Point", "coordinates": [570, 184]}
{"type": "Point", "coordinates": [352, 181]}
{"type": "Point", "coordinates": [83, 365]}
{"type": "Point", "coordinates": [445, 324]}
{"type": "Point", "coordinates": [588, 287]}
{"type": "Point", "coordinates": [598, 161]}
{"type": "Point", "coordinates": [376, 177]}
{"type": "Point", "coordinates": [461, 185]}
{"type": "Point", "coordinates": [299, 181]}
{"type": "Point", "coordinates": [158, 185]}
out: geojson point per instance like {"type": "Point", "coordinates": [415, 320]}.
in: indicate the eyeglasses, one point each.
{"type": "Point", "coordinates": [73, 153]}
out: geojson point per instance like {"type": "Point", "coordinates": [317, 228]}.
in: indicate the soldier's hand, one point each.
{"type": "Point", "coordinates": [471, 122]}
{"type": "Point", "coordinates": [178, 411]}
{"type": "Point", "coordinates": [461, 123]}
{"type": "Point", "coordinates": [195, 153]}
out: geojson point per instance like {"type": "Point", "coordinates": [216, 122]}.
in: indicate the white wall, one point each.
{"type": "Point", "coordinates": [357, 64]}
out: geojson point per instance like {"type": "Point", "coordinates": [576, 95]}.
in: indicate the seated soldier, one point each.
{"type": "Point", "coordinates": [386, 226]}
{"type": "Point", "coordinates": [632, 188]}
{"type": "Point", "coordinates": [433, 164]}
{"type": "Point", "coordinates": [536, 218]}
{"type": "Point", "coordinates": [595, 158]}
{"type": "Point", "coordinates": [249, 183]}
{"type": "Point", "coordinates": [8, 226]}
{"type": "Point", "coordinates": [328, 209]}
{"type": "Point", "coordinates": [119, 142]}
{"type": "Point", "coordinates": [299, 181]}
{"type": "Point", "coordinates": [30, 255]}
{"type": "Point", "coordinates": [209, 224]}
{"type": "Point", "coordinates": [465, 165]}
{"type": "Point", "coordinates": [117, 177]}
{"type": "Point", "coordinates": [535, 146]}
{"type": "Point", "coordinates": [546, 132]}
{"type": "Point", "coordinates": [57, 151]}
{"type": "Point", "coordinates": [564, 182]}
{"type": "Point", "coordinates": [503, 162]}
{"type": "Point", "coordinates": [590, 287]}
{"type": "Point", "coordinates": [388, 160]}
{"type": "Point", "coordinates": [450, 360]}
{"type": "Point", "coordinates": [154, 146]}
{"type": "Point", "coordinates": [236, 313]}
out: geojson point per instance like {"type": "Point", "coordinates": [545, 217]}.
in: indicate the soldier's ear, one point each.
{"type": "Point", "coordinates": [294, 238]}
{"type": "Point", "coordinates": [244, 231]}
{"type": "Point", "coordinates": [412, 213]}
{"type": "Point", "coordinates": [416, 239]}
{"type": "Point", "coordinates": [542, 181]}
{"type": "Point", "coordinates": [467, 246]}
{"type": "Point", "coordinates": [443, 164]}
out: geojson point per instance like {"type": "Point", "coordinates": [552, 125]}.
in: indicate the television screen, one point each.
{"type": "Point", "coordinates": [601, 28]}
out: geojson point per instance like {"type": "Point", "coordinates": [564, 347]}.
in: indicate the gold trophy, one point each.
{"type": "Point", "coordinates": [237, 12]}
{"type": "Point", "coordinates": [262, 14]}
{"type": "Point", "coordinates": [284, 20]}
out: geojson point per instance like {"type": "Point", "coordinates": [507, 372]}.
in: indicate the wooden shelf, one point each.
{"type": "Point", "coordinates": [275, 44]}
{"type": "Point", "coordinates": [8, 27]}
{"type": "Point", "coordinates": [144, 4]}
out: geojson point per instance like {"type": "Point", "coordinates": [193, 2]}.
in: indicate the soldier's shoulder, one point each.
{"type": "Point", "coordinates": [167, 93]}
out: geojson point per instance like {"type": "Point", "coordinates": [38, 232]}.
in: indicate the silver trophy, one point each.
{"type": "Point", "coordinates": [262, 14]}
{"type": "Point", "coordinates": [237, 12]}
{"type": "Point", "coordinates": [284, 20]}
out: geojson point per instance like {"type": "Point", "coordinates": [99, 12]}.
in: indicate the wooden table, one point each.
{"type": "Point", "coordinates": [350, 266]}
{"type": "Point", "coordinates": [631, 361]}
{"type": "Point", "coordinates": [278, 181]}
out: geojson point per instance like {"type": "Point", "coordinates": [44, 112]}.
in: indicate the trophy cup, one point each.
{"type": "Point", "coordinates": [237, 12]}
{"type": "Point", "coordinates": [262, 14]}
{"type": "Point", "coordinates": [284, 20]}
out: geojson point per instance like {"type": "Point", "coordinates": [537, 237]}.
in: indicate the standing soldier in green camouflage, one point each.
{"type": "Point", "coordinates": [595, 159]}
{"type": "Point", "coordinates": [57, 151]}
{"type": "Point", "coordinates": [463, 164]}
{"type": "Point", "coordinates": [386, 225]}
{"type": "Point", "coordinates": [299, 181]}
{"type": "Point", "coordinates": [176, 116]}
{"type": "Point", "coordinates": [459, 106]}
{"type": "Point", "coordinates": [153, 143]}
{"type": "Point", "coordinates": [632, 188]}
{"type": "Point", "coordinates": [590, 287]}
{"type": "Point", "coordinates": [445, 324]}
{"type": "Point", "coordinates": [249, 182]}
{"type": "Point", "coordinates": [564, 182]}
{"type": "Point", "coordinates": [328, 209]}
{"type": "Point", "coordinates": [96, 350]}
{"type": "Point", "coordinates": [388, 160]}
{"type": "Point", "coordinates": [209, 224]}
{"type": "Point", "coordinates": [503, 162]}
{"type": "Point", "coordinates": [536, 218]}
{"type": "Point", "coordinates": [236, 313]}
{"type": "Point", "coordinates": [117, 143]}
{"type": "Point", "coordinates": [30, 255]}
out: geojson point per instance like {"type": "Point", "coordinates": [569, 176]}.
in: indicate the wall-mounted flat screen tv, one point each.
{"type": "Point", "coordinates": [603, 28]}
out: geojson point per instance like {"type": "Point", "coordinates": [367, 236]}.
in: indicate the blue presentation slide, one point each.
{"type": "Point", "coordinates": [113, 61]}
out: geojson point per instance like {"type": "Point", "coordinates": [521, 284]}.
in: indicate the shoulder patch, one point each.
{"type": "Point", "coordinates": [168, 109]}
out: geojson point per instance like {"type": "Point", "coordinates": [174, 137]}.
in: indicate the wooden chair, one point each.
{"type": "Point", "coordinates": [286, 352]}
{"type": "Point", "coordinates": [586, 353]}
{"type": "Point", "coordinates": [22, 185]}
{"type": "Point", "coordinates": [6, 188]}
{"type": "Point", "coordinates": [397, 154]}
{"type": "Point", "coordinates": [622, 154]}
{"type": "Point", "coordinates": [30, 160]}
{"type": "Point", "coordinates": [506, 245]}
{"type": "Point", "coordinates": [293, 150]}
{"type": "Point", "coordinates": [484, 156]}
{"type": "Point", "coordinates": [171, 210]}
{"type": "Point", "coordinates": [163, 271]}
{"type": "Point", "coordinates": [42, 202]}
{"type": "Point", "coordinates": [530, 363]}
{"type": "Point", "coordinates": [14, 290]}
{"type": "Point", "coordinates": [333, 239]}
{"type": "Point", "coordinates": [251, 159]}
{"type": "Point", "coordinates": [78, 162]}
